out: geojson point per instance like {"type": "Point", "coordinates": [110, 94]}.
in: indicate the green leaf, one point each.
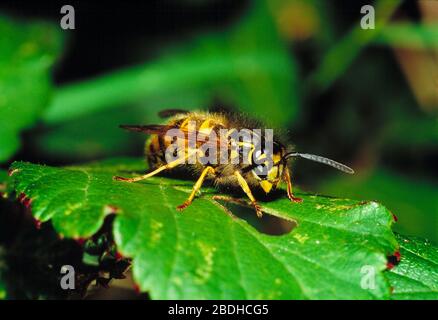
{"type": "Point", "coordinates": [414, 201]}
{"type": "Point", "coordinates": [208, 251]}
{"type": "Point", "coordinates": [27, 51]}
{"type": "Point", "coordinates": [416, 276]}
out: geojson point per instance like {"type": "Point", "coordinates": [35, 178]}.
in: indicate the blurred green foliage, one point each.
{"type": "Point", "coordinates": [342, 54]}
{"type": "Point", "coordinates": [27, 51]}
{"type": "Point", "coordinates": [409, 35]}
{"type": "Point", "coordinates": [246, 65]}
{"type": "Point", "coordinates": [249, 55]}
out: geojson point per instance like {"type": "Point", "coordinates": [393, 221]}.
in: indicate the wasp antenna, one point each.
{"type": "Point", "coordinates": [326, 161]}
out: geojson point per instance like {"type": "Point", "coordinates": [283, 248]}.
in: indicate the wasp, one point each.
{"type": "Point", "coordinates": [255, 171]}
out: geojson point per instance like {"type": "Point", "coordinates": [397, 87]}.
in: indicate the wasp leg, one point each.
{"type": "Point", "coordinates": [290, 195]}
{"type": "Point", "coordinates": [196, 188]}
{"type": "Point", "coordinates": [168, 166]}
{"type": "Point", "coordinates": [231, 199]}
{"type": "Point", "coordinates": [244, 185]}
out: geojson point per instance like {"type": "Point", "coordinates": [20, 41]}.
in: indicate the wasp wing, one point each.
{"type": "Point", "coordinates": [171, 112]}
{"type": "Point", "coordinates": [160, 129]}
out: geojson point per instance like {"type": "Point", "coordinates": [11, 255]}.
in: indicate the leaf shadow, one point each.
{"type": "Point", "coordinates": [267, 224]}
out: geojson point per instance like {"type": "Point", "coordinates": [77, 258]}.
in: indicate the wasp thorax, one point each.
{"type": "Point", "coordinates": [220, 147]}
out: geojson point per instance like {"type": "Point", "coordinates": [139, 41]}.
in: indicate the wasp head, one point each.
{"type": "Point", "coordinates": [268, 168]}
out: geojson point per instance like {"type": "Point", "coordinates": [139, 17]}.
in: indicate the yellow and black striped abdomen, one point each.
{"type": "Point", "coordinates": [200, 123]}
{"type": "Point", "coordinates": [155, 151]}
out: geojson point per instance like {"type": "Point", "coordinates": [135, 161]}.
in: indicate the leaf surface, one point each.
{"type": "Point", "coordinates": [416, 276]}
{"type": "Point", "coordinates": [212, 250]}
